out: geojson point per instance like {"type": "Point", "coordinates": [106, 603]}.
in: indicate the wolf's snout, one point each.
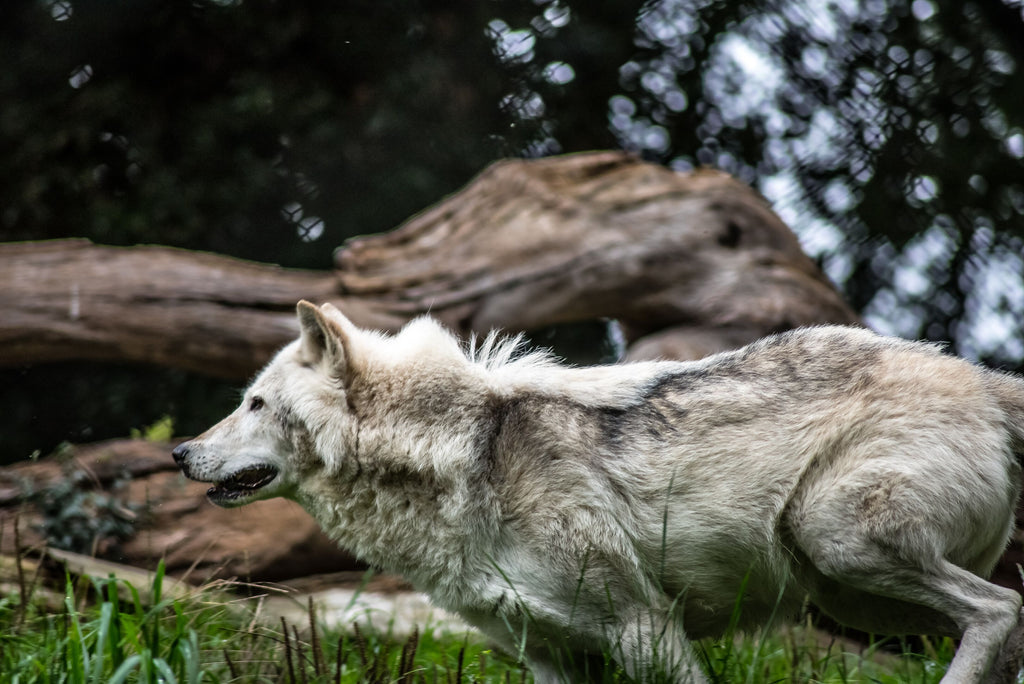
{"type": "Point", "coordinates": [180, 453]}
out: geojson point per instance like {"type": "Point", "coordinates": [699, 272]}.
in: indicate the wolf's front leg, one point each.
{"type": "Point", "coordinates": [546, 672]}
{"type": "Point", "coordinates": [654, 648]}
{"type": "Point", "coordinates": [559, 663]}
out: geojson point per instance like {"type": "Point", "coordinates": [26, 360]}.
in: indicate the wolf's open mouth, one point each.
{"type": "Point", "coordinates": [242, 483]}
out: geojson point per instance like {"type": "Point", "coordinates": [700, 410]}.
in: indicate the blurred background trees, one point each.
{"type": "Point", "coordinates": [889, 134]}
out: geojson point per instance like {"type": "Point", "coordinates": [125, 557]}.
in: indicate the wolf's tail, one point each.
{"type": "Point", "coordinates": [1009, 391]}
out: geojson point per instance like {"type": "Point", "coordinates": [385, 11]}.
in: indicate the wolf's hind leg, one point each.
{"type": "Point", "coordinates": [984, 615]}
{"type": "Point", "coordinates": [1007, 667]}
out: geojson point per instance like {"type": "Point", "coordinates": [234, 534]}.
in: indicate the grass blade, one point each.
{"type": "Point", "coordinates": [77, 655]}
{"type": "Point", "coordinates": [130, 664]}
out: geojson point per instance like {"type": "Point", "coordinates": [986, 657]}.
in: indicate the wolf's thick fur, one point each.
{"type": "Point", "coordinates": [623, 509]}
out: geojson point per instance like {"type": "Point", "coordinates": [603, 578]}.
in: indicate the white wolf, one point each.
{"type": "Point", "coordinates": [622, 510]}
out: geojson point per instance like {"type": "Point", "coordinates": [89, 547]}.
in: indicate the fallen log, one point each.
{"type": "Point", "coordinates": [70, 299]}
{"type": "Point", "coordinates": [687, 263]}
{"type": "Point", "coordinates": [697, 256]}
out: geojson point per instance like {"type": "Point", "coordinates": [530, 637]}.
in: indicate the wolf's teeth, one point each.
{"type": "Point", "coordinates": [252, 478]}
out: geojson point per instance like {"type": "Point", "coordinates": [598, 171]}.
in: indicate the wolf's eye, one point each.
{"type": "Point", "coordinates": [256, 404]}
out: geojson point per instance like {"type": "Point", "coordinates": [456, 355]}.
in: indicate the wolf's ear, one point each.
{"type": "Point", "coordinates": [326, 337]}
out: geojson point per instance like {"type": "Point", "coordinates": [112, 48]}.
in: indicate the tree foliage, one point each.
{"type": "Point", "coordinates": [261, 129]}
{"type": "Point", "coordinates": [890, 134]}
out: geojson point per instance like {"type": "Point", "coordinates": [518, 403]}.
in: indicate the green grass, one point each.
{"type": "Point", "coordinates": [106, 632]}
{"type": "Point", "coordinates": [804, 654]}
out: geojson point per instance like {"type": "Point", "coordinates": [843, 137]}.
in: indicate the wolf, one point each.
{"type": "Point", "coordinates": [626, 510]}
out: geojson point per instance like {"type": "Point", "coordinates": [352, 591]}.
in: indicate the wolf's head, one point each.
{"type": "Point", "coordinates": [295, 411]}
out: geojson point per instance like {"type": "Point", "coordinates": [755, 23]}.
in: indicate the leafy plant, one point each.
{"type": "Point", "coordinates": [78, 517]}
{"type": "Point", "coordinates": [160, 431]}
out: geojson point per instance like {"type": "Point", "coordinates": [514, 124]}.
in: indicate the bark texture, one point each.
{"type": "Point", "coordinates": [70, 299]}
{"type": "Point", "coordinates": [688, 263]}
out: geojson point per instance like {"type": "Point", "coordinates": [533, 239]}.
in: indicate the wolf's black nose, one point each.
{"type": "Point", "coordinates": [180, 452]}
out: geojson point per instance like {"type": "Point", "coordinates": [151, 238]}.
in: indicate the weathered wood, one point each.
{"type": "Point", "coordinates": [698, 258]}
{"type": "Point", "coordinates": [141, 580]}
{"type": "Point", "coordinates": [603, 235]}
{"type": "Point", "coordinates": [70, 299]}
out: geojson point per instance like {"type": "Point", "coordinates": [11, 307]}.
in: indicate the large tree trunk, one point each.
{"type": "Point", "coordinates": [688, 264]}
